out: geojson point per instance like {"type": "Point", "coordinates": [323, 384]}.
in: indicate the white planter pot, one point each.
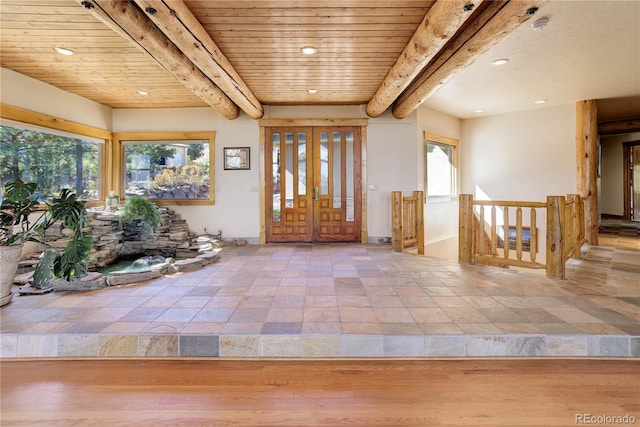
{"type": "Point", "coordinates": [9, 257]}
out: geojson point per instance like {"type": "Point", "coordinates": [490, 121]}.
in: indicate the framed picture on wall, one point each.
{"type": "Point", "coordinates": [526, 238]}
{"type": "Point", "coordinates": [237, 158]}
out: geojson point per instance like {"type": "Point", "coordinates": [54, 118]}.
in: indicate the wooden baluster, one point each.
{"type": "Point", "coordinates": [481, 236]}
{"type": "Point", "coordinates": [519, 233]}
{"type": "Point", "coordinates": [506, 232]}
{"type": "Point", "coordinates": [533, 245]}
{"type": "Point", "coordinates": [494, 232]}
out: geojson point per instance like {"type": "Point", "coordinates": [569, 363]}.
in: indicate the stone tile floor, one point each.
{"type": "Point", "coordinates": [343, 300]}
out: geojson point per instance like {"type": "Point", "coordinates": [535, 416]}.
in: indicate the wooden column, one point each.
{"type": "Point", "coordinates": [465, 228]}
{"type": "Point", "coordinates": [586, 165]}
{"type": "Point", "coordinates": [555, 243]}
{"type": "Point", "coordinates": [396, 221]}
{"type": "Point", "coordinates": [419, 221]}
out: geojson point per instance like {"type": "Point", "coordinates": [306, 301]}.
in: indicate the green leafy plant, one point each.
{"type": "Point", "coordinates": [136, 207]}
{"type": "Point", "coordinates": [19, 202]}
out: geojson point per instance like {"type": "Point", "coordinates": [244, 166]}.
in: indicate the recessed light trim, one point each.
{"type": "Point", "coordinates": [143, 92]}
{"type": "Point", "coordinates": [540, 101]}
{"type": "Point", "coordinates": [478, 110]}
{"type": "Point", "coordinates": [312, 90]}
{"type": "Point", "coordinates": [64, 51]}
{"type": "Point", "coordinates": [540, 23]}
{"type": "Point", "coordinates": [308, 50]}
{"type": "Point", "coordinates": [500, 61]}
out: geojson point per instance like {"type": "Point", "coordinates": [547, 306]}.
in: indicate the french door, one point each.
{"type": "Point", "coordinates": [313, 184]}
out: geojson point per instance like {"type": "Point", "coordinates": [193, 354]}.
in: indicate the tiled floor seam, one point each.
{"type": "Point", "coordinates": [319, 346]}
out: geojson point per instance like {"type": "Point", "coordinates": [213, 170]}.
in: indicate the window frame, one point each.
{"type": "Point", "coordinates": [455, 184]}
{"type": "Point", "coordinates": [19, 115]}
{"type": "Point", "coordinates": [121, 138]}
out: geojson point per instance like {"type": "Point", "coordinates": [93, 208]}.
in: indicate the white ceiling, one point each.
{"type": "Point", "coordinates": [589, 50]}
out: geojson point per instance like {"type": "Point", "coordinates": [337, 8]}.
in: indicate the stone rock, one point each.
{"type": "Point", "coordinates": [208, 257]}
{"type": "Point", "coordinates": [89, 281]}
{"type": "Point", "coordinates": [185, 265]}
{"type": "Point", "coordinates": [125, 277]}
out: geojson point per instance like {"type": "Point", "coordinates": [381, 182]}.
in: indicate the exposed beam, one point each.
{"type": "Point", "coordinates": [510, 17]}
{"type": "Point", "coordinates": [177, 22]}
{"type": "Point", "coordinates": [439, 25]}
{"type": "Point", "coordinates": [128, 21]}
{"type": "Point", "coordinates": [619, 126]}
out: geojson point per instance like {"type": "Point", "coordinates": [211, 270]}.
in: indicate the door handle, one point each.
{"type": "Point", "coordinates": [316, 193]}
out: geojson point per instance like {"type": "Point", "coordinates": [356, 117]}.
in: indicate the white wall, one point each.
{"type": "Point", "coordinates": [24, 92]}
{"type": "Point", "coordinates": [520, 156]}
{"type": "Point", "coordinates": [611, 173]}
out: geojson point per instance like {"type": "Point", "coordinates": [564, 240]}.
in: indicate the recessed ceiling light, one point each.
{"type": "Point", "coordinates": [64, 51]}
{"type": "Point", "coordinates": [143, 92]}
{"type": "Point", "coordinates": [540, 23]}
{"type": "Point", "coordinates": [478, 110]}
{"type": "Point", "coordinates": [500, 61]}
{"type": "Point", "coordinates": [312, 90]}
{"type": "Point", "coordinates": [540, 101]}
{"type": "Point", "coordinates": [309, 50]}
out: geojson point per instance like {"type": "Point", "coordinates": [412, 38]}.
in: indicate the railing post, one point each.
{"type": "Point", "coordinates": [555, 246]}
{"type": "Point", "coordinates": [396, 221]}
{"type": "Point", "coordinates": [465, 228]}
{"type": "Point", "coordinates": [578, 226]}
{"type": "Point", "coordinates": [420, 220]}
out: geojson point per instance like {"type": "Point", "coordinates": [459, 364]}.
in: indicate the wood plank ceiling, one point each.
{"type": "Point", "coordinates": [239, 55]}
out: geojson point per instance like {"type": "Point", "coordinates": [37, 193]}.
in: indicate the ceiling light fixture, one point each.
{"type": "Point", "coordinates": [478, 110]}
{"type": "Point", "coordinates": [540, 101]}
{"type": "Point", "coordinates": [540, 23]}
{"type": "Point", "coordinates": [143, 92]}
{"type": "Point", "coordinates": [64, 51]}
{"type": "Point", "coordinates": [312, 90]}
{"type": "Point", "coordinates": [308, 50]}
{"type": "Point", "coordinates": [500, 61]}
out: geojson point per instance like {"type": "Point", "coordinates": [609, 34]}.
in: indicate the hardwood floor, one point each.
{"type": "Point", "coordinates": [550, 392]}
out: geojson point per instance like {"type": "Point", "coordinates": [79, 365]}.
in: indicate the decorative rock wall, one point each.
{"type": "Point", "coordinates": [112, 239]}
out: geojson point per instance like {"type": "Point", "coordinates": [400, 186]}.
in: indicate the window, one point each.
{"type": "Point", "coordinates": [168, 168]}
{"type": "Point", "coordinates": [441, 166]}
{"type": "Point", "coordinates": [52, 159]}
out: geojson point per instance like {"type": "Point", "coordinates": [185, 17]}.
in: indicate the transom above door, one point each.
{"type": "Point", "coordinates": [313, 184]}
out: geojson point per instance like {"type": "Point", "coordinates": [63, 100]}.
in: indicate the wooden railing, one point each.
{"type": "Point", "coordinates": [483, 240]}
{"type": "Point", "coordinates": [407, 221]}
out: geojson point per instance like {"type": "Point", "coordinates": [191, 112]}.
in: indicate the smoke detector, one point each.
{"type": "Point", "coordinates": [540, 23]}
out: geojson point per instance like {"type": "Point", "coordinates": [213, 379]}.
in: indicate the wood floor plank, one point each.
{"type": "Point", "coordinates": [316, 393]}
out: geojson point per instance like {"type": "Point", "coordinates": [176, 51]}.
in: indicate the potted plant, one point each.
{"type": "Point", "coordinates": [19, 202]}
{"type": "Point", "coordinates": [136, 207]}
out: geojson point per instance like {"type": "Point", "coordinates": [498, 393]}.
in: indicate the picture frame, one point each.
{"type": "Point", "coordinates": [237, 158]}
{"type": "Point", "coordinates": [526, 238]}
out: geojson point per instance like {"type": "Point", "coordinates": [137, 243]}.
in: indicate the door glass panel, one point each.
{"type": "Point", "coordinates": [324, 163]}
{"type": "Point", "coordinates": [350, 183]}
{"type": "Point", "coordinates": [302, 164]}
{"type": "Point", "coordinates": [275, 159]}
{"type": "Point", "coordinates": [337, 170]}
{"type": "Point", "coordinates": [288, 169]}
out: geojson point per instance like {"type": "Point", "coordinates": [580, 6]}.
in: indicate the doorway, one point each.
{"type": "Point", "coordinates": [631, 155]}
{"type": "Point", "coordinates": [313, 178]}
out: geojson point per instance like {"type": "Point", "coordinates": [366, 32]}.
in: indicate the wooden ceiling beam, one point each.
{"type": "Point", "coordinates": [510, 17]}
{"type": "Point", "coordinates": [177, 22]}
{"type": "Point", "coordinates": [131, 23]}
{"type": "Point", "coordinates": [439, 25]}
{"type": "Point", "coordinates": [617, 127]}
